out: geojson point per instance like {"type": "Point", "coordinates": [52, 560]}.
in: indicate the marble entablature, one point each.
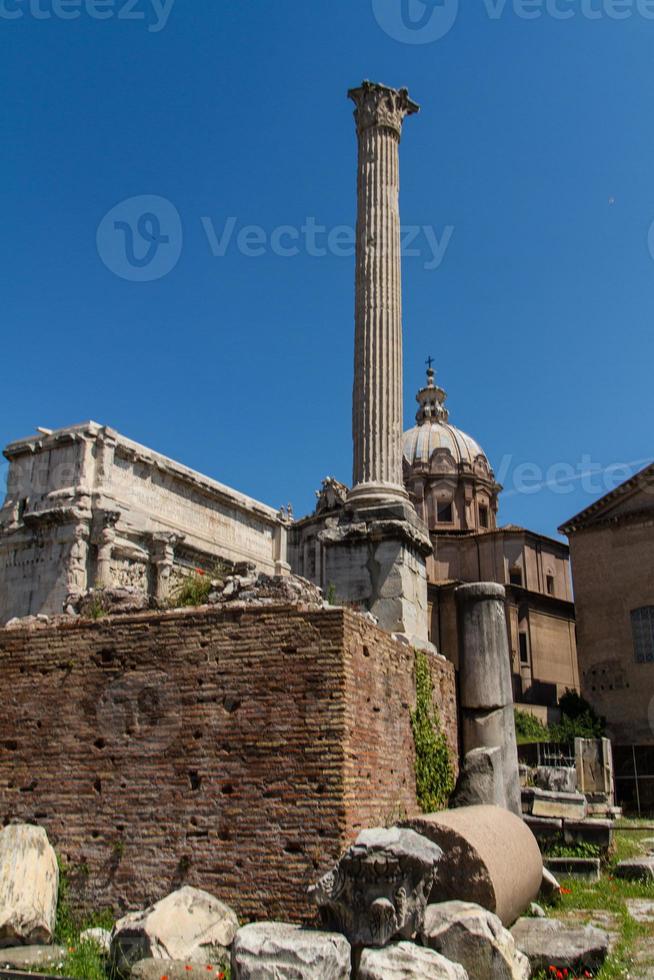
{"type": "Point", "coordinates": [87, 507]}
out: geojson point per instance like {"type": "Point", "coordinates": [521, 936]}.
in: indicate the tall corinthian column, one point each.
{"type": "Point", "coordinates": [377, 417]}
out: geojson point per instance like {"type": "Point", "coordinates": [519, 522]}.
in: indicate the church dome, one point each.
{"type": "Point", "coordinates": [422, 441]}
{"type": "Point", "coordinates": [434, 432]}
{"type": "Point", "coordinates": [446, 472]}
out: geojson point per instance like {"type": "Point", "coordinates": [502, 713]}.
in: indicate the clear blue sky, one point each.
{"type": "Point", "coordinates": [535, 144]}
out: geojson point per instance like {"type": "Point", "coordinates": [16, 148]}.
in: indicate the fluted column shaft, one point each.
{"type": "Point", "coordinates": [377, 416]}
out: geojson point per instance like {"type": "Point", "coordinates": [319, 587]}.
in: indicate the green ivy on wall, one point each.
{"type": "Point", "coordinates": [434, 772]}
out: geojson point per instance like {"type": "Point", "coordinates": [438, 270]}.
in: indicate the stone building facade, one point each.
{"type": "Point", "coordinates": [86, 507]}
{"type": "Point", "coordinates": [612, 549]}
{"type": "Point", "coordinates": [452, 484]}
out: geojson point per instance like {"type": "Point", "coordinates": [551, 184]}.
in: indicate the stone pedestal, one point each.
{"type": "Point", "coordinates": [485, 683]}
{"type": "Point", "coordinates": [374, 557]}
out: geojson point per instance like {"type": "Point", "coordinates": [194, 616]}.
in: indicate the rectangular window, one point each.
{"type": "Point", "coordinates": [515, 576]}
{"type": "Point", "coordinates": [444, 511]}
{"type": "Point", "coordinates": [550, 585]}
{"type": "Point", "coordinates": [524, 649]}
{"type": "Point", "coordinates": [642, 626]}
{"type": "Point", "coordinates": [483, 516]}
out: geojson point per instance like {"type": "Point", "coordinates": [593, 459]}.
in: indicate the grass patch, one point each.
{"type": "Point", "coordinates": [196, 588]}
{"type": "Point", "coordinates": [611, 895]}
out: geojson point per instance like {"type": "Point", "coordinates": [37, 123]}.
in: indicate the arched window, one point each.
{"type": "Point", "coordinates": [642, 625]}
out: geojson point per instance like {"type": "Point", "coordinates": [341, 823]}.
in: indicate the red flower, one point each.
{"type": "Point", "coordinates": [566, 891]}
{"type": "Point", "coordinates": [200, 571]}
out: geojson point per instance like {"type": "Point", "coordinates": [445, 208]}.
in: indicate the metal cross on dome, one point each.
{"type": "Point", "coordinates": [430, 362]}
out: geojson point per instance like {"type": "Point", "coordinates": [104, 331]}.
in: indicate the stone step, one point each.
{"type": "Point", "coordinates": [599, 832]}
{"type": "Point", "coordinates": [544, 803]}
{"type": "Point", "coordinates": [544, 829]}
{"type": "Point", "coordinates": [16, 975]}
{"type": "Point", "coordinates": [582, 869]}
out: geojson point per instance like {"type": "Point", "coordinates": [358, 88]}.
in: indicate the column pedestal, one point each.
{"type": "Point", "coordinates": [374, 557]}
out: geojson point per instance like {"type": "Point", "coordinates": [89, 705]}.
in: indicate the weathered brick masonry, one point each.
{"type": "Point", "coordinates": [236, 750]}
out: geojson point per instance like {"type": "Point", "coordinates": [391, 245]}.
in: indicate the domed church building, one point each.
{"type": "Point", "coordinates": [452, 485]}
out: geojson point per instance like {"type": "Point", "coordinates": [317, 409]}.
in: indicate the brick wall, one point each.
{"type": "Point", "coordinates": [238, 750]}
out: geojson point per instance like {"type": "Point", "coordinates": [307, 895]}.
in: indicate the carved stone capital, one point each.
{"type": "Point", "coordinates": [378, 105]}
{"type": "Point", "coordinates": [164, 544]}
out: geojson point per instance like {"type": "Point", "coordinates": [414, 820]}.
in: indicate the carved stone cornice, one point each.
{"type": "Point", "coordinates": [380, 106]}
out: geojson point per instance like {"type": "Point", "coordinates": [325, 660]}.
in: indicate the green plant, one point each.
{"type": "Point", "coordinates": [64, 922]}
{"type": "Point", "coordinates": [331, 594]}
{"type": "Point", "coordinates": [529, 729]}
{"type": "Point", "coordinates": [96, 608]}
{"type": "Point", "coordinates": [578, 720]}
{"type": "Point", "coordinates": [582, 849]}
{"type": "Point", "coordinates": [434, 771]}
{"type": "Point", "coordinates": [195, 588]}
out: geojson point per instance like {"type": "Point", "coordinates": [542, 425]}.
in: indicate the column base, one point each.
{"type": "Point", "coordinates": [367, 494]}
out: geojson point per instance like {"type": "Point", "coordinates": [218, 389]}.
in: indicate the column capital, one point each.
{"type": "Point", "coordinates": [381, 106]}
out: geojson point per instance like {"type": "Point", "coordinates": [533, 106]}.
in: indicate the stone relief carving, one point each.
{"type": "Point", "coordinates": [379, 888]}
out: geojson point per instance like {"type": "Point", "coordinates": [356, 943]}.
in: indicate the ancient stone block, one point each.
{"type": "Point", "coordinates": [272, 950]}
{"type": "Point", "coordinates": [29, 882]}
{"type": "Point", "coordinates": [545, 829]}
{"type": "Point", "coordinates": [550, 888]}
{"type": "Point", "coordinates": [189, 924]}
{"type": "Point", "coordinates": [31, 958]}
{"type": "Point", "coordinates": [379, 888]}
{"type": "Point", "coordinates": [556, 779]}
{"type": "Point", "coordinates": [472, 936]}
{"type": "Point", "coordinates": [481, 779]}
{"type": "Point", "coordinates": [550, 942]}
{"type": "Point", "coordinates": [406, 961]}
{"type": "Point", "coordinates": [636, 869]}
{"type": "Point", "coordinates": [178, 969]}
{"type": "Point", "coordinates": [583, 869]}
{"type": "Point", "coordinates": [490, 858]}
{"type": "Point", "coordinates": [496, 729]}
{"type": "Point", "coordinates": [599, 832]}
{"type": "Point", "coordinates": [542, 803]}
